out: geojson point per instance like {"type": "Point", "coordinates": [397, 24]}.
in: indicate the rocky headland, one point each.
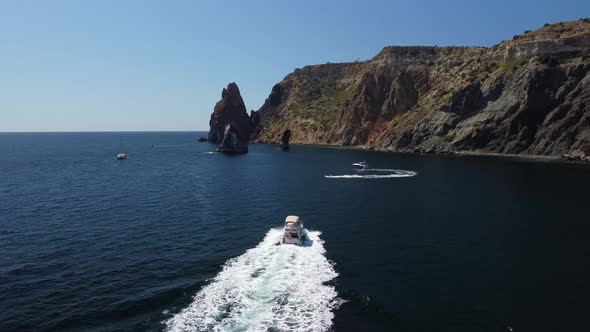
{"type": "Point", "coordinates": [529, 95]}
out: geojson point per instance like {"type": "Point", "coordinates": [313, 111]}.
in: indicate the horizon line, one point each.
{"type": "Point", "coordinates": [101, 131]}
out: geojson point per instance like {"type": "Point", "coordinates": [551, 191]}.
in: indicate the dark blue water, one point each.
{"type": "Point", "coordinates": [469, 244]}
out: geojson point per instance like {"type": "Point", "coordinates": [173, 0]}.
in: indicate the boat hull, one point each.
{"type": "Point", "coordinates": [360, 165]}
{"type": "Point", "coordinates": [293, 232]}
{"type": "Point", "coordinates": [287, 238]}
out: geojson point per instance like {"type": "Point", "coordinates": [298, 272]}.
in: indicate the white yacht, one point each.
{"type": "Point", "coordinates": [294, 232]}
{"type": "Point", "coordinates": [360, 164]}
{"type": "Point", "coordinates": [121, 156]}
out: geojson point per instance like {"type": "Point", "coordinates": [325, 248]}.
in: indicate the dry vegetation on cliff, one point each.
{"type": "Point", "coordinates": [528, 95]}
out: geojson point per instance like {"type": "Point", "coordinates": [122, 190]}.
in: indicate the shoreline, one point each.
{"type": "Point", "coordinates": [531, 157]}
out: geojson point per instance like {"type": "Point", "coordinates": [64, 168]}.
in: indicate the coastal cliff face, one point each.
{"type": "Point", "coordinates": [529, 95]}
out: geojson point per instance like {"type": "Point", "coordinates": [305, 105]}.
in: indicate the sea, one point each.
{"type": "Point", "coordinates": [180, 238]}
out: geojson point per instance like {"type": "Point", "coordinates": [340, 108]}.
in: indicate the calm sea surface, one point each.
{"type": "Point", "coordinates": [177, 239]}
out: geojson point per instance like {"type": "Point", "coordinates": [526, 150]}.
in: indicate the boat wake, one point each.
{"type": "Point", "coordinates": [270, 287]}
{"type": "Point", "coordinates": [392, 173]}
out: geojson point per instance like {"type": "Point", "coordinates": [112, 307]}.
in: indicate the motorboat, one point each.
{"type": "Point", "coordinates": [360, 164]}
{"type": "Point", "coordinates": [121, 156]}
{"type": "Point", "coordinates": [294, 233]}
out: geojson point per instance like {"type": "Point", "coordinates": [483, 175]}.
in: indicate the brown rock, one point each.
{"type": "Point", "coordinates": [230, 110]}
{"type": "Point", "coordinates": [232, 143]}
{"type": "Point", "coordinates": [526, 96]}
{"type": "Point", "coordinates": [285, 139]}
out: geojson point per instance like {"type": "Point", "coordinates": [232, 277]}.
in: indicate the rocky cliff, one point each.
{"type": "Point", "coordinates": [528, 95]}
{"type": "Point", "coordinates": [230, 125]}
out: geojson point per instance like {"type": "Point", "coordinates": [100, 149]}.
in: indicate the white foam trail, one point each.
{"type": "Point", "coordinates": [371, 176]}
{"type": "Point", "coordinates": [276, 287]}
{"type": "Point", "coordinates": [394, 173]}
{"type": "Point", "coordinates": [392, 170]}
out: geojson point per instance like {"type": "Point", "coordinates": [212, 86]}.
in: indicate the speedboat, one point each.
{"type": "Point", "coordinates": [294, 232]}
{"type": "Point", "coordinates": [360, 164]}
{"type": "Point", "coordinates": [121, 156]}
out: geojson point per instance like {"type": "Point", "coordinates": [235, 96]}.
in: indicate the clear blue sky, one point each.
{"type": "Point", "coordinates": [161, 65]}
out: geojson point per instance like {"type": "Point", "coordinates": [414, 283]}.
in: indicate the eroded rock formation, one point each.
{"type": "Point", "coordinates": [285, 139]}
{"type": "Point", "coordinates": [232, 142]}
{"type": "Point", "coordinates": [230, 124]}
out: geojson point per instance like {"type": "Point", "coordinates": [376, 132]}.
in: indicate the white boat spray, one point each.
{"type": "Point", "coordinates": [277, 287]}
{"type": "Point", "coordinates": [393, 173]}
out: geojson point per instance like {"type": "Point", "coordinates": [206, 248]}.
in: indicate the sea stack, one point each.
{"type": "Point", "coordinates": [230, 124]}
{"type": "Point", "coordinates": [285, 139]}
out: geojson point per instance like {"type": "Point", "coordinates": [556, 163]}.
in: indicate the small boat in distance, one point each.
{"type": "Point", "coordinates": [294, 233]}
{"type": "Point", "coordinates": [121, 156]}
{"type": "Point", "coordinates": [360, 164]}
